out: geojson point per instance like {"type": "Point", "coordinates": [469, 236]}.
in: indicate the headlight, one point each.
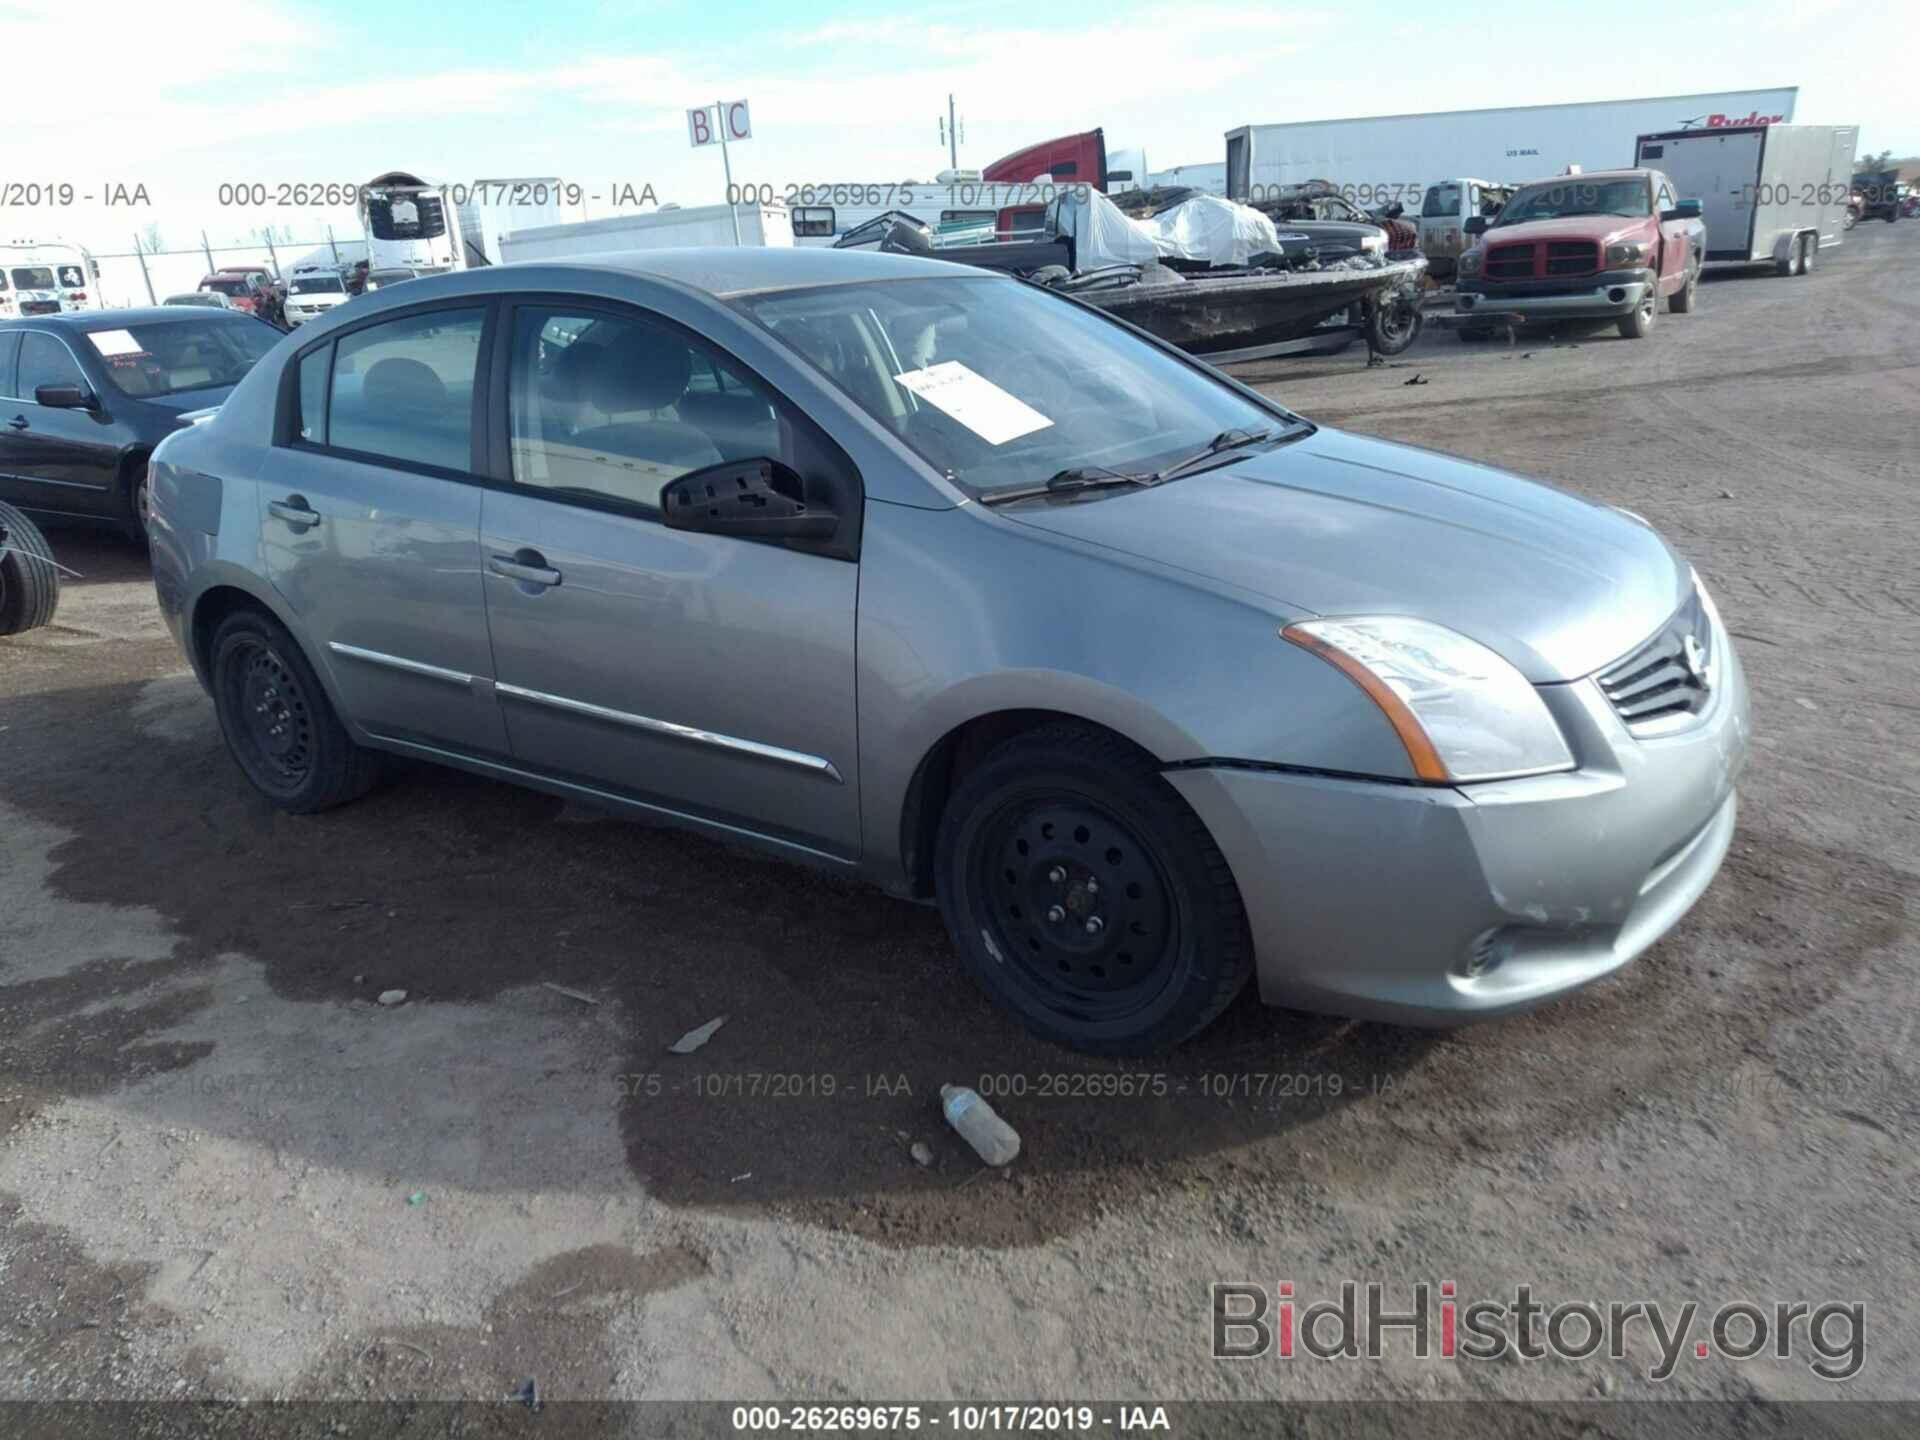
{"type": "Point", "coordinates": [1373, 242]}
{"type": "Point", "coordinates": [1462, 712]}
{"type": "Point", "coordinates": [1627, 252]}
{"type": "Point", "coordinates": [1470, 262]}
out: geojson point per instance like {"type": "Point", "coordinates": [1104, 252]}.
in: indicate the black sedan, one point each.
{"type": "Point", "coordinates": [86, 395]}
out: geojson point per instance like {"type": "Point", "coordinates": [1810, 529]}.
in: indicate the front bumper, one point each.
{"type": "Point", "coordinates": [1592, 297]}
{"type": "Point", "coordinates": [1434, 905]}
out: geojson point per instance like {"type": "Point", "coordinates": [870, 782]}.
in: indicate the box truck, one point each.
{"type": "Point", "coordinates": [1767, 192]}
{"type": "Point", "coordinates": [1391, 159]}
{"type": "Point", "coordinates": [667, 228]}
{"type": "Point", "coordinates": [487, 210]}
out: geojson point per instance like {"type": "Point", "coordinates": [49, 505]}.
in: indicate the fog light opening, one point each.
{"type": "Point", "coordinates": [1616, 295]}
{"type": "Point", "coordinates": [1484, 955]}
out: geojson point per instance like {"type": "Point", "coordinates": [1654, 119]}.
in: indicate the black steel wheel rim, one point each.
{"type": "Point", "coordinates": [273, 720]}
{"type": "Point", "coordinates": [1078, 907]}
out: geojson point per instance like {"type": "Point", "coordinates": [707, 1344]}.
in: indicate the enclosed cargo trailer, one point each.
{"type": "Point", "coordinates": [1766, 192]}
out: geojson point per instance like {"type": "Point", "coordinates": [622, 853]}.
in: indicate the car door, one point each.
{"type": "Point", "coordinates": [56, 460]}
{"type": "Point", "coordinates": [370, 524]}
{"type": "Point", "coordinates": [705, 675]}
{"type": "Point", "coordinates": [1673, 235]}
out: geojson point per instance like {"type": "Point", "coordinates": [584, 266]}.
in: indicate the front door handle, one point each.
{"type": "Point", "coordinates": [294, 510]}
{"type": "Point", "coordinates": [528, 566]}
{"type": "Point", "coordinates": [18, 422]}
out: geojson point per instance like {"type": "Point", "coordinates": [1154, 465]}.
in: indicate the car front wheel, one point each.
{"type": "Point", "coordinates": [1086, 897]}
{"type": "Point", "coordinates": [278, 722]}
{"type": "Point", "coordinates": [1637, 324]}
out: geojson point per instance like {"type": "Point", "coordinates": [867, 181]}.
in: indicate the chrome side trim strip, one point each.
{"type": "Point", "coordinates": [396, 662]}
{"type": "Point", "coordinates": [816, 764]}
{"type": "Point", "coordinates": [614, 797]}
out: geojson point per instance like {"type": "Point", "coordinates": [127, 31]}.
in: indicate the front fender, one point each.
{"type": "Point", "coordinates": [964, 615]}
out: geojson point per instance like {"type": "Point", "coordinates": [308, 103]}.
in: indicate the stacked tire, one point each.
{"type": "Point", "coordinates": [29, 580]}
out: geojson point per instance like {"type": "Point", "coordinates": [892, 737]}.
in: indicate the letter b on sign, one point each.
{"type": "Point", "coordinates": [700, 126]}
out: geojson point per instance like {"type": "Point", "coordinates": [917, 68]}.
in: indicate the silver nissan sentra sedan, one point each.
{"type": "Point", "coordinates": [920, 573]}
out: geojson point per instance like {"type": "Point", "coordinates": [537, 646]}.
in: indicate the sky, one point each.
{"type": "Point", "coordinates": [179, 102]}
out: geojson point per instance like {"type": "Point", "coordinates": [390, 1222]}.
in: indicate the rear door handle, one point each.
{"type": "Point", "coordinates": [528, 566]}
{"type": "Point", "coordinates": [18, 422]}
{"type": "Point", "coordinates": [294, 510]}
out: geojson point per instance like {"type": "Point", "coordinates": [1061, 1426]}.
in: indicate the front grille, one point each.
{"type": "Point", "coordinates": [1666, 676]}
{"type": "Point", "coordinates": [39, 307]}
{"type": "Point", "coordinates": [1509, 262]}
{"type": "Point", "coordinates": [1572, 257]}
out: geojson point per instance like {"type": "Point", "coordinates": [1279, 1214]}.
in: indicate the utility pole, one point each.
{"type": "Point", "coordinates": [207, 250]}
{"type": "Point", "coordinates": [952, 135]}
{"type": "Point", "coordinates": [140, 251]}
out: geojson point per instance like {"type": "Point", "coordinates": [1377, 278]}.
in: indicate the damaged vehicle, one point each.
{"type": "Point", "coordinates": [924, 575]}
{"type": "Point", "coordinates": [1604, 245]}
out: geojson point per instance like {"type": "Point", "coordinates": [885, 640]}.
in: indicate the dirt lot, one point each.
{"type": "Point", "coordinates": [227, 1171]}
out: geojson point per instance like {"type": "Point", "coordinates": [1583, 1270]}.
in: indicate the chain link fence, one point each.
{"type": "Point", "coordinates": [141, 276]}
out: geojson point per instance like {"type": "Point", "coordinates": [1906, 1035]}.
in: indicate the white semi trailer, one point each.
{"type": "Point", "coordinates": [664, 229]}
{"type": "Point", "coordinates": [1389, 159]}
{"type": "Point", "coordinates": [1766, 192]}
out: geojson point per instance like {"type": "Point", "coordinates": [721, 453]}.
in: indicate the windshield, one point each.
{"type": "Point", "coordinates": [211, 301]}
{"type": "Point", "coordinates": [1574, 196]}
{"type": "Point", "coordinates": [406, 216]}
{"type": "Point", "coordinates": [32, 277]}
{"type": "Point", "coordinates": [999, 385]}
{"type": "Point", "coordinates": [165, 357]}
{"type": "Point", "coordinates": [226, 287]}
{"type": "Point", "coordinates": [318, 285]}
{"type": "Point", "coordinates": [1441, 200]}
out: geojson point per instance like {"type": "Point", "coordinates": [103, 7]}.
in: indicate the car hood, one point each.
{"type": "Point", "coordinates": [1339, 524]}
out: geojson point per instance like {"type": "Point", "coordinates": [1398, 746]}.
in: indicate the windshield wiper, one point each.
{"type": "Point", "coordinates": [1099, 477]}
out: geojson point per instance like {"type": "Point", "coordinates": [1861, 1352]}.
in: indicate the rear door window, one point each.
{"type": "Point", "coordinates": [9, 349]}
{"type": "Point", "coordinates": [402, 390]}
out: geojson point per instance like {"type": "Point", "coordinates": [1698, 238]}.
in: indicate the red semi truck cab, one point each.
{"type": "Point", "coordinates": [1605, 245]}
{"type": "Point", "coordinates": [1068, 160]}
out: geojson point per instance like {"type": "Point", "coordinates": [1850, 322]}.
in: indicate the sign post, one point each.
{"type": "Point", "coordinates": [728, 120]}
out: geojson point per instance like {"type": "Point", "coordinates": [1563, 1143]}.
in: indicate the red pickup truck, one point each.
{"type": "Point", "coordinates": [1605, 245]}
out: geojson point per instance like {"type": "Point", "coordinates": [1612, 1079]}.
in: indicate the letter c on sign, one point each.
{"type": "Point", "coordinates": [739, 126]}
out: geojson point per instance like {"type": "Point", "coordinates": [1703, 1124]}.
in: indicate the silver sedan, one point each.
{"type": "Point", "coordinates": [918, 573]}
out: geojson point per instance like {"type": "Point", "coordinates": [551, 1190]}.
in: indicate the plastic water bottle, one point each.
{"type": "Point", "coordinates": [992, 1139]}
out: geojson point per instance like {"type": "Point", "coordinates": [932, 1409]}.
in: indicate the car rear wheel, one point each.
{"type": "Point", "coordinates": [1637, 324]}
{"type": "Point", "coordinates": [29, 579]}
{"type": "Point", "coordinates": [1086, 897]}
{"type": "Point", "coordinates": [279, 723]}
{"type": "Point", "coordinates": [141, 500]}
{"type": "Point", "coordinates": [1809, 247]}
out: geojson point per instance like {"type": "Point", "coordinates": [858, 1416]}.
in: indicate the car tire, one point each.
{"type": "Point", "coordinates": [1638, 323]}
{"type": "Point", "coordinates": [1394, 324]}
{"type": "Point", "coordinates": [1682, 301]}
{"type": "Point", "coordinates": [1086, 897]}
{"type": "Point", "coordinates": [1809, 247]}
{"type": "Point", "coordinates": [140, 502]}
{"type": "Point", "coordinates": [278, 722]}
{"type": "Point", "coordinates": [29, 579]}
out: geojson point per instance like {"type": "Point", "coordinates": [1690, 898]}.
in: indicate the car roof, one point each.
{"type": "Point", "coordinates": [83, 321]}
{"type": "Point", "coordinates": [726, 270]}
{"type": "Point", "coordinates": [1629, 173]}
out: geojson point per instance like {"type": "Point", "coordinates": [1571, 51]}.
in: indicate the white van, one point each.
{"type": "Point", "coordinates": [1444, 211]}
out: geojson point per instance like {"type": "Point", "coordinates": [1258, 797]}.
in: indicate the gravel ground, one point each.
{"type": "Point", "coordinates": [227, 1170]}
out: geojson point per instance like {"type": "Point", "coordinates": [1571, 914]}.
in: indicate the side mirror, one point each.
{"type": "Point", "coordinates": [1682, 210]}
{"type": "Point", "coordinates": [66, 397]}
{"type": "Point", "coordinates": [1476, 225]}
{"type": "Point", "coordinates": [759, 498]}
